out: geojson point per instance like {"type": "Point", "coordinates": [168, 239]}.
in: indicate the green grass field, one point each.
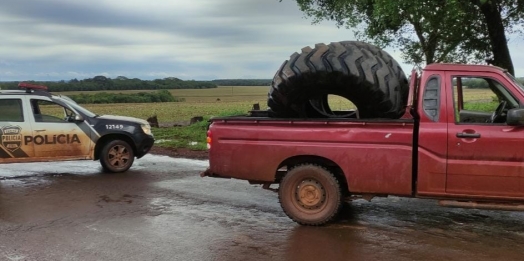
{"type": "Point", "coordinates": [199, 102]}
{"type": "Point", "coordinates": [225, 93]}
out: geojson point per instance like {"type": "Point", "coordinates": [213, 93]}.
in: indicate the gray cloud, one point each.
{"type": "Point", "coordinates": [91, 15]}
{"type": "Point", "coordinates": [189, 39]}
{"type": "Point", "coordinates": [71, 13]}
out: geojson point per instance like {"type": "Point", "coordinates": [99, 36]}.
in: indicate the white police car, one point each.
{"type": "Point", "coordinates": [36, 125]}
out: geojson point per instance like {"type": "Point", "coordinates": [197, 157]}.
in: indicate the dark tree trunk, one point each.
{"type": "Point", "coordinates": [497, 36]}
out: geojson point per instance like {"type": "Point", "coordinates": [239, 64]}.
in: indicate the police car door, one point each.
{"type": "Point", "coordinates": [14, 125]}
{"type": "Point", "coordinates": [55, 135]}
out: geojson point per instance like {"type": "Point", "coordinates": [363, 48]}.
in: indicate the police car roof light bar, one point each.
{"type": "Point", "coordinates": [28, 87]}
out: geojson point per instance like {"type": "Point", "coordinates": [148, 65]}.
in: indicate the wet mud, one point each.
{"type": "Point", "coordinates": [163, 210]}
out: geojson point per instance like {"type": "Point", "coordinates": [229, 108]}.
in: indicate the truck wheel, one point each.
{"type": "Point", "coordinates": [342, 69]}
{"type": "Point", "coordinates": [310, 195]}
{"type": "Point", "coordinates": [117, 156]}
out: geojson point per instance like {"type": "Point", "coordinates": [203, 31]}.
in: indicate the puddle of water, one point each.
{"type": "Point", "coordinates": [83, 167]}
{"type": "Point", "coordinates": [162, 141]}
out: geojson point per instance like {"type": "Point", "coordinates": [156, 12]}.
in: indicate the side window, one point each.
{"type": "Point", "coordinates": [46, 111]}
{"type": "Point", "coordinates": [11, 110]}
{"type": "Point", "coordinates": [480, 100]}
{"type": "Point", "coordinates": [431, 98]}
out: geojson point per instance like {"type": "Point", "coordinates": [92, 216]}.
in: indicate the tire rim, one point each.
{"type": "Point", "coordinates": [118, 156]}
{"type": "Point", "coordinates": [321, 106]}
{"type": "Point", "coordinates": [310, 194]}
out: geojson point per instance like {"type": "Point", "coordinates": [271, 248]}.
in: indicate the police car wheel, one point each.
{"type": "Point", "coordinates": [117, 156]}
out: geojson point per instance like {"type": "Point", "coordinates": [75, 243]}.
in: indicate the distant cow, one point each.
{"type": "Point", "coordinates": [196, 119]}
{"type": "Point", "coordinates": [218, 99]}
{"type": "Point", "coordinates": [153, 121]}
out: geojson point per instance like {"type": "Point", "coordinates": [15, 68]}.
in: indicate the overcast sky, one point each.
{"type": "Point", "coordinates": [149, 39]}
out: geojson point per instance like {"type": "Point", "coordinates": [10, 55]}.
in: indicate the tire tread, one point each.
{"type": "Point", "coordinates": [360, 72]}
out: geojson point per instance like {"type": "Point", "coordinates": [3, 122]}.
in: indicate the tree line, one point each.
{"type": "Point", "coordinates": [102, 83]}
{"type": "Point", "coordinates": [141, 97]}
{"type": "Point", "coordinates": [242, 82]}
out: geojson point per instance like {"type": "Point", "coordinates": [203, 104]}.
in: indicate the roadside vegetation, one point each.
{"type": "Point", "coordinates": [191, 137]}
{"type": "Point", "coordinates": [140, 97]}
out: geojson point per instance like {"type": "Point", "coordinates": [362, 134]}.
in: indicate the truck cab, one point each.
{"type": "Point", "coordinates": [470, 135]}
{"type": "Point", "coordinates": [36, 125]}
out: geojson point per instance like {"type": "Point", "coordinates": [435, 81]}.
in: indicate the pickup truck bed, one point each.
{"type": "Point", "coordinates": [355, 145]}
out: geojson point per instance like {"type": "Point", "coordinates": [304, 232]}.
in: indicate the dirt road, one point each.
{"type": "Point", "coordinates": [162, 210]}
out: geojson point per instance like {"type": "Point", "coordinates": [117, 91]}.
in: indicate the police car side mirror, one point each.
{"type": "Point", "coordinates": [79, 118]}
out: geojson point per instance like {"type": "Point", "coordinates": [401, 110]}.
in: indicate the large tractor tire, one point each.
{"type": "Point", "coordinates": [391, 62]}
{"type": "Point", "coordinates": [348, 69]}
{"type": "Point", "coordinates": [382, 54]}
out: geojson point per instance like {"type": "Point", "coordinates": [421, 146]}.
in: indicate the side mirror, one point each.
{"type": "Point", "coordinates": [515, 117]}
{"type": "Point", "coordinates": [79, 118]}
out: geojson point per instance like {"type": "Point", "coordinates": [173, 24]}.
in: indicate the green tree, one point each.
{"type": "Point", "coordinates": [428, 31]}
{"type": "Point", "coordinates": [501, 17]}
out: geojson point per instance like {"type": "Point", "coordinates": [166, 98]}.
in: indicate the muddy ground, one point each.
{"type": "Point", "coordinates": [181, 153]}
{"type": "Point", "coordinates": [163, 210]}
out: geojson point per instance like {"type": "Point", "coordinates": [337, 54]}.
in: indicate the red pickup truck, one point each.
{"type": "Point", "coordinates": [457, 144]}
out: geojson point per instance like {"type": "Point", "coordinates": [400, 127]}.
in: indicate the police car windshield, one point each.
{"type": "Point", "coordinates": [79, 108]}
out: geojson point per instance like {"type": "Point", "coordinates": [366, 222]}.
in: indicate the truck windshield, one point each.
{"type": "Point", "coordinates": [515, 81]}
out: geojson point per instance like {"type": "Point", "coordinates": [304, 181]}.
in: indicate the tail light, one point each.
{"type": "Point", "coordinates": [208, 139]}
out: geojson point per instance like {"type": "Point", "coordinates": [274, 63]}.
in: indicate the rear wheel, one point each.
{"type": "Point", "coordinates": [117, 156]}
{"type": "Point", "coordinates": [310, 195]}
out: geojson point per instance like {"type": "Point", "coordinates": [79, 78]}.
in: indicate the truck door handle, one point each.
{"type": "Point", "coordinates": [40, 130]}
{"type": "Point", "coordinates": [468, 135]}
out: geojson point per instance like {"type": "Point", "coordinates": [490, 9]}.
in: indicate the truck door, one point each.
{"type": "Point", "coordinates": [14, 125]}
{"type": "Point", "coordinates": [485, 156]}
{"type": "Point", "coordinates": [54, 134]}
